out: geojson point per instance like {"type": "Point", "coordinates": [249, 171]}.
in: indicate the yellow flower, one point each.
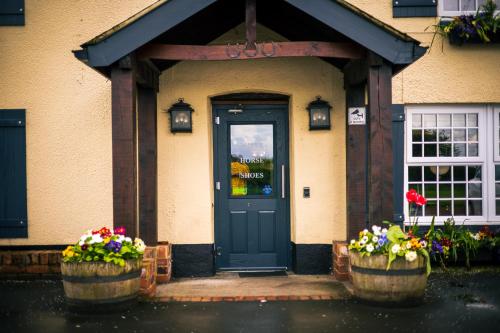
{"type": "Point", "coordinates": [106, 240]}
{"type": "Point", "coordinates": [68, 252]}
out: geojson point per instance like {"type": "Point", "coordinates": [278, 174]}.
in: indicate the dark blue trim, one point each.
{"type": "Point", "coordinates": [12, 12]}
{"type": "Point", "coordinates": [142, 31]}
{"type": "Point", "coordinates": [361, 30]}
{"type": "Point", "coordinates": [13, 196]}
{"type": "Point", "coordinates": [414, 8]}
{"type": "Point", "coordinates": [398, 132]}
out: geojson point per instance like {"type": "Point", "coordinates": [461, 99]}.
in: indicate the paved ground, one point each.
{"type": "Point", "coordinates": [229, 286]}
{"type": "Point", "coordinates": [458, 303]}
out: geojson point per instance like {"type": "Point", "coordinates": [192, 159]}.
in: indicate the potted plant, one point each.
{"type": "Point", "coordinates": [481, 27]}
{"type": "Point", "coordinates": [103, 267]}
{"type": "Point", "coordinates": [389, 265]}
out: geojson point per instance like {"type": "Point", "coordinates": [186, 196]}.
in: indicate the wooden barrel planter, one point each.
{"type": "Point", "coordinates": [99, 283]}
{"type": "Point", "coordinates": [403, 283]}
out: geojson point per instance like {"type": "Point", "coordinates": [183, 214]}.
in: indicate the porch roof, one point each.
{"type": "Point", "coordinates": [202, 21]}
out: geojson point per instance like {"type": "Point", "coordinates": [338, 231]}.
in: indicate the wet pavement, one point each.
{"type": "Point", "coordinates": [453, 303]}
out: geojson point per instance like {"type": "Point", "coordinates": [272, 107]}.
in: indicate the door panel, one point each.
{"type": "Point", "coordinates": [251, 201]}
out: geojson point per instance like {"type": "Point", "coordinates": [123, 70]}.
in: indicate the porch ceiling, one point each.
{"type": "Point", "coordinates": [199, 22]}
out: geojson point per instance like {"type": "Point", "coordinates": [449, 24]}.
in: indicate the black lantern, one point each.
{"type": "Point", "coordinates": [180, 117]}
{"type": "Point", "coordinates": [319, 114]}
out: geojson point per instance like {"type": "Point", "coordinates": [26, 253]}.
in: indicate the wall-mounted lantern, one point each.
{"type": "Point", "coordinates": [180, 117]}
{"type": "Point", "coordinates": [319, 114]}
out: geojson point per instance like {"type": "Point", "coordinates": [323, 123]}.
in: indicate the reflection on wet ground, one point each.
{"type": "Point", "coordinates": [454, 303]}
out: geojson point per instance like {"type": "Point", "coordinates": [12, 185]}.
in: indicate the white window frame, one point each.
{"type": "Point", "coordinates": [488, 156]}
{"type": "Point", "coordinates": [450, 13]}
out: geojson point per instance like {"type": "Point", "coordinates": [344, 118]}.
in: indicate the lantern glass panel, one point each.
{"type": "Point", "coordinates": [181, 120]}
{"type": "Point", "coordinates": [319, 118]}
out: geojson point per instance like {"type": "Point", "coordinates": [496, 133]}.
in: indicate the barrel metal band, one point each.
{"type": "Point", "coordinates": [101, 279]}
{"type": "Point", "coordinates": [392, 272]}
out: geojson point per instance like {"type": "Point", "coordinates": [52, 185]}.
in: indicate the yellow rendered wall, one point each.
{"type": "Point", "coordinates": [68, 114]}
{"type": "Point", "coordinates": [446, 74]}
{"type": "Point", "coordinates": [185, 173]}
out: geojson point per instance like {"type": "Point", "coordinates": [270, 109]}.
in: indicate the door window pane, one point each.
{"type": "Point", "coordinates": [252, 165]}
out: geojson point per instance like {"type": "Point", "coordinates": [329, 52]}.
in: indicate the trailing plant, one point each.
{"type": "Point", "coordinates": [105, 245]}
{"type": "Point", "coordinates": [481, 26]}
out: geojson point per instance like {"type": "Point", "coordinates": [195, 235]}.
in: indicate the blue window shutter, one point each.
{"type": "Point", "coordinates": [398, 133]}
{"type": "Point", "coordinates": [414, 8]}
{"type": "Point", "coordinates": [13, 206]}
{"type": "Point", "coordinates": [11, 12]}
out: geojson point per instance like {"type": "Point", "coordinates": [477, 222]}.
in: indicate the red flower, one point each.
{"type": "Point", "coordinates": [120, 231]}
{"type": "Point", "coordinates": [104, 232]}
{"type": "Point", "coordinates": [411, 195]}
{"type": "Point", "coordinates": [420, 200]}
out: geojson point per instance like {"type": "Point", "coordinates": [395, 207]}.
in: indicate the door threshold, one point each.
{"type": "Point", "coordinates": [251, 269]}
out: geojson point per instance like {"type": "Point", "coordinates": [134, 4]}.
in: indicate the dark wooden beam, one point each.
{"type": "Point", "coordinates": [123, 99]}
{"type": "Point", "coordinates": [147, 74]}
{"type": "Point", "coordinates": [264, 50]}
{"type": "Point", "coordinates": [148, 189]}
{"type": "Point", "coordinates": [356, 164]}
{"type": "Point", "coordinates": [355, 72]}
{"type": "Point", "coordinates": [380, 180]}
{"type": "Point", "coordinates": [251, 24]}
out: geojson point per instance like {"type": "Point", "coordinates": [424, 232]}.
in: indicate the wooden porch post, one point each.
{"type": "Point", "coordinates": [356, 140]}
{"type": "Point", "coordinates": [148, 189]}
{"type": "Point", "coordinates": [123, 99]}
{"type": "Point", "coordinates": [380, 165]}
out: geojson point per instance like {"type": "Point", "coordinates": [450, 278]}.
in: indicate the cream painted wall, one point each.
{"type": "Point", "coordinates": [69, 126]}
{"type": "Point", "coordinates": [68, 108]}
{"type": "Point", "coordinates": [317, 158]}
{"type": "Point", "coordinates": [446, 74]}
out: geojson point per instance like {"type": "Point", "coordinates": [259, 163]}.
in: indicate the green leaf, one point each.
{"type": "Point", "coordinates": [427, 260]}
{"type": "Point", "coordinates": [394, 234]}
{"type": "Point", "coordinates": [392, 256]}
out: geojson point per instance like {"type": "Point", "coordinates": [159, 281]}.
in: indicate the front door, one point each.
{"type": "Point", "coordinates": [251, 187]}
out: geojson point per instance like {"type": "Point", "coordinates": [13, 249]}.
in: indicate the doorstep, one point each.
{"type": "Point", "coordinates": [230, 287]}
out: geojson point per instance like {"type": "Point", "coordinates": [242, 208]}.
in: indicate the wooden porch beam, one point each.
{"type": "Point", "coordinates": [380, 177]}
{"type": "Point", "coordinates": [123, 114]}
{"type": "Point", "coordinates": [264, 50]}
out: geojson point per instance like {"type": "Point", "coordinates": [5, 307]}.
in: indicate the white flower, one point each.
{"type": "Point", "coordinates": [374, 239]}
{"type": "Point", "coordinates": [384, 231]}
{"type": "Point", "coordinates": [376, 230]}
{"type": "Point", "coordinates": [395, 248]}
{"type": "Point", "coordinates": [410, 256]}
{"type": "Point", "coordinates": [476, 236]}
{"type": "Point", "coordinates": [364, 239]}
{"type": "Point", "coordinates": [95, 239]}
{"type": "Point", "coordinates": [353, 241]}
{"type": "Point", "coordinates": [423, 243]}
{"type": "Point", "coordinates": [408, 245]}
{"type": "Point", "coordinates": [365, 231]}
{"type": "Point", "coordinates": [139, 245]}
{"type": "Point", "coordinates": [128, 239]}
{"type": "Point", "coordinates": [369, 248]}
{"type": "Point", "coordinates": [120, 238]}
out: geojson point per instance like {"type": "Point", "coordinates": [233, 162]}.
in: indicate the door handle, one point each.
{"type": "Point", "coordinates": [283, 181]}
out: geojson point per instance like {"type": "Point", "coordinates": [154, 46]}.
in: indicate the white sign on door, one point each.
{"type": "Point", "coordinates": [357, 116]}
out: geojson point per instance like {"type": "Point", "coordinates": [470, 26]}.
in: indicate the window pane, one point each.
{"type": "Point", "coordinates": [475, 190]}
{"type": "Point", "coordinates": [445, 150]}
{"type": "Point", "coordinates": [474, 173]}
{"type": "Point", "coordinates": [472, 134]}
{"type": "Point", "coordinates": [444, 173]}
{"type": "Point", "coordinates": [468, 5]}
{"type": "Point", "coordinates": [473, 149]}
{"type": "Point", "coordinates": [430, 190]}
{"type": "Point", "coordinates": [475, 207]}
{"type": "Point", "coordinates": [459, 134]}
{"type": "Point", "coordinates": [429, 120]}
{"type": "Point", "coordinates": [445, 135]}
{"type": "Point", "coordinates": [497, 172]}
{"type": "Point", "coordinates": [430, 150]}
{"type": "Point", "coordinates": [445, 208]}
{"type": "Point", "coordinates": [459, 208]}
{"type": "Point", "coordinates": [444, 120]}
{"type": "Point", "coordinates": [415, 174]}
{"type": "Point", "coordinates": [416, 121]}
{"type": "Point", "coordinates": [417, 150]}
{"type": "Point", "coordinates": [472, 122]}
{"type": "Point", "coordinates": [497, 190]}
{"type": "Point", "coordinates": [459, 120]}
{"type": "Point", "coordinates": [445, 191]}
{"type": "Point", "coordinates": [252, 151]}
{"type": "Point", "coordinates": [451, 5]}
{"type": "Point", "coordinates": [459, 191]}
{"type": "Point", "coordinates": [430, 208]}
{"type": "Point", "coordinates": [497, 207]}
{"type": "Point", "coordinates": [430, 135]}
{"type": "Point", "coordinates": [430, 173]}
{"type": "Point", "coordinates": [417, 135]}
{"type": "Point", "coordinates": [459, 173]}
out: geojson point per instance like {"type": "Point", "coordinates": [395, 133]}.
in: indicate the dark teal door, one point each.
{"type": "Point", "coordinates": [251, 187]}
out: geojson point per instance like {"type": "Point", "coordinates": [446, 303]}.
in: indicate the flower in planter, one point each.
{"type": "Point", "coordinates": [105, 245]}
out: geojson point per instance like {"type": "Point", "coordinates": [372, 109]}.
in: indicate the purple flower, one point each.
{"type": "Point", "coordinates": [436, 247]}
{"type": "Point", "coordinates": [114, 246]}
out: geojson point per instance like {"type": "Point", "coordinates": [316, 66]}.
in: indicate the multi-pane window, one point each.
{"type": "Point", "coordinates": [453, 159]}
{"type": "Point", "coordinates": [457, 7]}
